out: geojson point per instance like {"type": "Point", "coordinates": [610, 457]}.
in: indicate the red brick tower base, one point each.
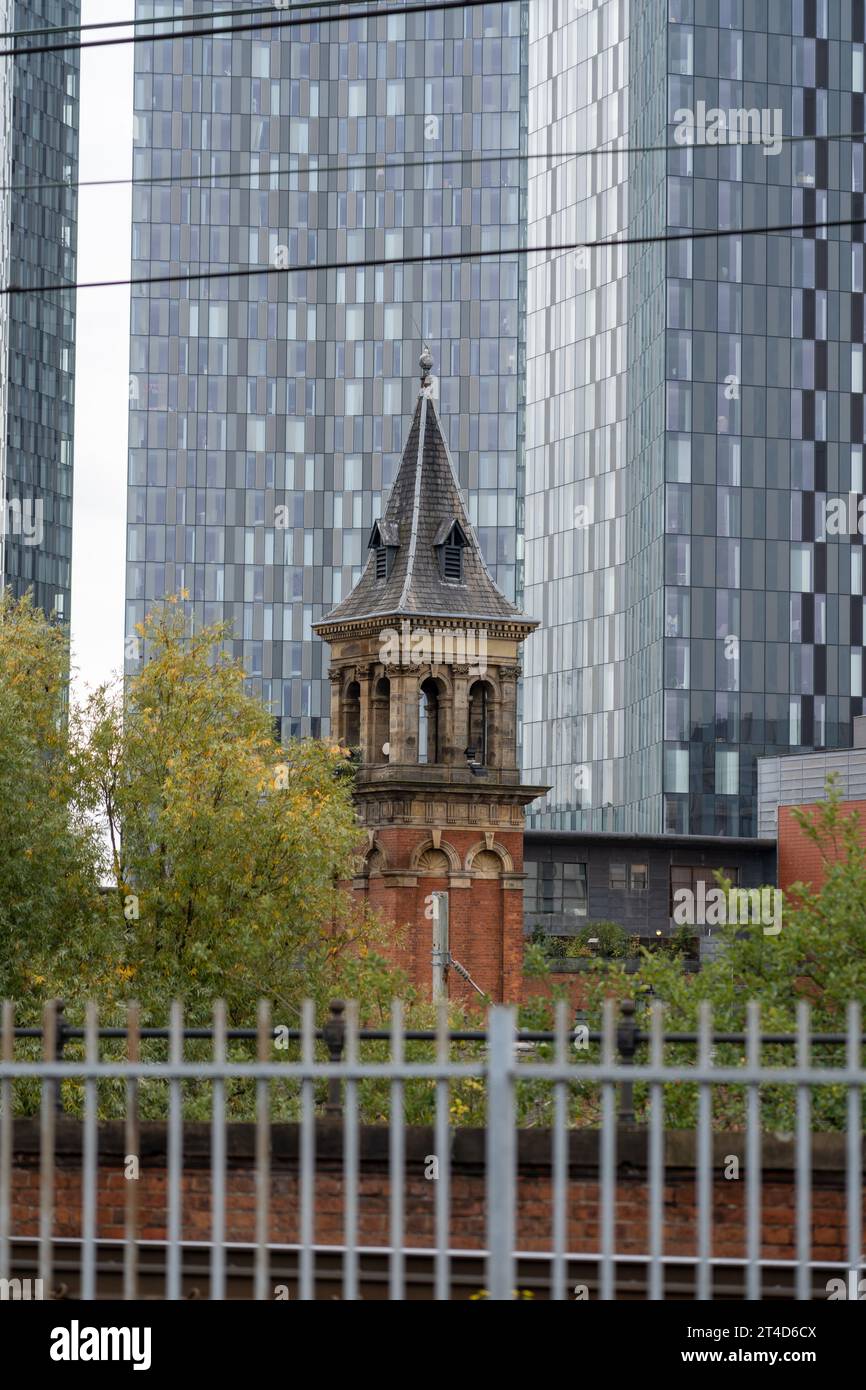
{"type": "Point", "coordinates": [483, 877]}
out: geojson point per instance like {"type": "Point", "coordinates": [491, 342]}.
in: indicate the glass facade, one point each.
{"type": "Point", "coordinates": [702, 610]}
{"type": "Point", "coordinates": [268, 413]}
{"type": "Point", "coordinates": [39, 113]}
{"type": "Point", "coordinates": [577, 363]}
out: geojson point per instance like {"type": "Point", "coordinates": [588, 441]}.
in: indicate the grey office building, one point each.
{"type": "Point", "coordinates": [38, 216]}
{"type": "Point", "coordinates": [692, 407]}
{"type": "Point", "coordinates": [268, 413]}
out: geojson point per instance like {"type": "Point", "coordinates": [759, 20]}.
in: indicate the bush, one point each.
{"type": "Point", "coordinates": [612, 941]}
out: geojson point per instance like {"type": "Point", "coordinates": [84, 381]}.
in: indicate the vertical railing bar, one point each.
{"type": "Point", "coordinates": [218, 1158]}
{"type": "Point", "coordinates": [90, 1157]}
{"type": "Point", "coordinates": [804, 1157]}
{"type": "Point", "coordinates": [501, 1150]}
{"type": "Point", "coordinates": [7, 1052]}
{"type": "Point", "coordinates": [350, 1160]}
{"type": "Point", "coordinates": [854, 1166]}
{"type": "Point", "coordinates": [263, 1152]}
{"type": "Point", "coordinates": [175, 1157]}
{"type": "Point", "coordinates": [47, 1131]}
{"type": "Point", "coordinates": [656, 1159]}
{"type": "Point", "coordinates": [397, 1145]}
{"type": "Point", "coordinates": [560, 1157]}
{"type": "Point", "coordinates": [608, 1157]}
{"type": "Point", "coordinates": [753, 1156]}
{"type": "Point", "coordinates": [443, 1158]}
{"type": "Point", "coordinates": [308, 1152]}
{"type": "Point", "coordinates": [133, 1155]}
{"type": "Point", "coordinates": [705, 1153]}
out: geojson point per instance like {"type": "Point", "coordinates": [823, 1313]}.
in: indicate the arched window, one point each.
{"type": "Point", "coordinates": [382, 721]}
{"type": "Point", "coordinates": [352, 715]}
{"type": "Point", "coordinates": [428, 723]}
{"type": "Point", "coordinates": [479, 749]}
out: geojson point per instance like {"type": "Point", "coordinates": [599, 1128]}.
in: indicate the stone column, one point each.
{"type": "Point", "coordinates": [404, 716]}
{"type": "Point", "coordinates": [335, 676]}
{"type": "Point", "coordinates": [505, 726]}
{"type": "Point", "coordinates": [460, 713]}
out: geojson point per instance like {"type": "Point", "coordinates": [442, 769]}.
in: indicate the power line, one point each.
{"type": "Point", "coordinates": [384, 163]}
{"type": "Point", "coordinates": [237, 13]}
{"type": "Point", "coordinates": [247, 272]}
{"type": "Point", "coordinates": [289, 23]}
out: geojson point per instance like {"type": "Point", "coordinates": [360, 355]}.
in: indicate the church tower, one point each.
{"type": "Point", "coordinates": [425, 656]}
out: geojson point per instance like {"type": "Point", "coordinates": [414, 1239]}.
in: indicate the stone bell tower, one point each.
{"type": "Point", "coordinates": [424, 667]}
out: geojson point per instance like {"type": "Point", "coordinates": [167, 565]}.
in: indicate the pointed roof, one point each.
{"type": "Point", "coordinates": [424, 506]}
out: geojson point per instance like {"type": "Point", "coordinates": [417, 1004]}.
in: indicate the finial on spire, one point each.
{"type": "Point", "coordinates": [425, 362]}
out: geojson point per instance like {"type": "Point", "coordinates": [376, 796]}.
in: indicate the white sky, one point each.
{"type": "Point", "coordinates": [102, 355]}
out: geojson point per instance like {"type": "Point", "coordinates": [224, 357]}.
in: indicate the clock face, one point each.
{"type": "Point", "coordinates": [386, 749]}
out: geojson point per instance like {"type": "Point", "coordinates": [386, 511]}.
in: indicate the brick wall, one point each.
{"type": "Point", "coordinates": [799, 857]}
{"type": "Point", "coordinates": [468, 1192]}
{"type": "Point", "coordinates": [485, 914]}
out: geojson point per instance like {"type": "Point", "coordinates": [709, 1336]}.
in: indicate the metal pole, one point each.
{"type": "Point", "coordinates": [501, 1153]}
{"type": "Point", "coordinates": [440, 946]}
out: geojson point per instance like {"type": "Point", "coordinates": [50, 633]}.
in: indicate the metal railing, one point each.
{"type": "Point", "coordinates": [327, 1094]}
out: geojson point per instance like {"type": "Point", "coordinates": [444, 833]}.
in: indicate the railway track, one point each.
{"type": "Point", "coordinates": [467, 1274]}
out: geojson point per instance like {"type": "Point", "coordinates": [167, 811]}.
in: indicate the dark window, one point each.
{"type": "Point", "coordinates": [453, 562]}
{"type": "Point", "coordinates": [381, 562]}
{"type": "Point", "coordinates": [352, 716]}
{"type": "Point", "coordinates": [479, 724]}
{"type": "Point", "coordinates": [633, 878]}
{"type": "Point", "coordinates": [449, 544]}
{"type": "Point", "coordinates": [428, 723]}
{"type": "Point", "coordinates": [554, 894]}
{"type": "Point", "coordinates": [382, 721]}
{"type": "Point", "coordinates": [686, 876]}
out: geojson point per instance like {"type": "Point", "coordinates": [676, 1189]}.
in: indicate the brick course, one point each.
{"type": "Point", "coordinates": [800, 858]}
{"type": "Point", "coordinates": [468, 1230]}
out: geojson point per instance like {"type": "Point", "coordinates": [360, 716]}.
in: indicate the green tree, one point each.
{"type": "Point", "coordinates": [818, 955]}
{"type": "Point", "coordinates": [48, 885]}
{"type": "Point", "coordinates": [224, 850]}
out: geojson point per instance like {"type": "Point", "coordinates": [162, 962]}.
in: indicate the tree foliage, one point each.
{"type": "Point", "coordinates": [818, 956]}
{"type": "Point", "coordinates": [159, 843]}
{"type": "Point", "coordinates": [47, 848]}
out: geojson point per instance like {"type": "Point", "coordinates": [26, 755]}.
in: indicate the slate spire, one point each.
{"type": "Point", "coordinates": [425, 560]}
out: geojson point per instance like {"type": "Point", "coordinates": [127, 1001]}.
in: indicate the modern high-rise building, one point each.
{"type": "Point", "coordinates": [694, 406]}
{"type": "Point", "coordinates": [268, 413]}
{"type": "Point", "coordinates": [38, 221]}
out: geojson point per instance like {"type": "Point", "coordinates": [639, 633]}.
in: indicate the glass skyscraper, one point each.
{"type": "Point", "coordinates": [268, 413]}
{"type": "Point", "coordinates": [694, 408]}
{"type": "Point", "coordinates": [687, 408]}
{"type": "Point", "coordinates": [38, 217]}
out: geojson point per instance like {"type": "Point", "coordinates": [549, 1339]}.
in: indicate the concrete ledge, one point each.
{"type": "Point", "coordinates": [534, 1148]}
